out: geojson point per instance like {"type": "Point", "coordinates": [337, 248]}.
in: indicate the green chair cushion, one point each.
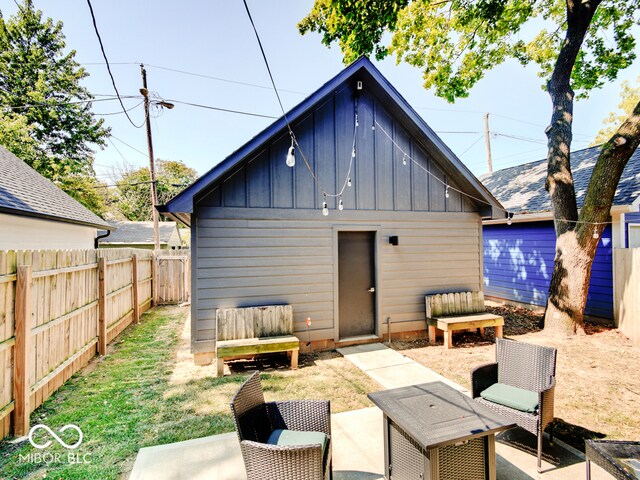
{"type": "Point", "coordinates": [513, 397]}
{"type": "Point", "coordinates": [294, 437]}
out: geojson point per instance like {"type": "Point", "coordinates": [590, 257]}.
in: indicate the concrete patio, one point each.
{"type": "Point", "coordinates": [357, 436]}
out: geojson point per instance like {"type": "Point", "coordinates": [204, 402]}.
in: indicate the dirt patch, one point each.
{"type": "Point", "coordinates": [597, 378]}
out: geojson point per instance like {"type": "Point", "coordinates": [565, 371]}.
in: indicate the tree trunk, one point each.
{"type": "Point", "coordinates": [576, 247]}
{"type": "Point", "coordinates": [571, 272]}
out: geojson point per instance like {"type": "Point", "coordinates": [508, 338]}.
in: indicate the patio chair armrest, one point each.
{"type": "Point", "coordinates": [482, 377]}
{"type": "Point", "coordinates": [304, 415]}
{"type": "Point", "coordinates": [263, 460]}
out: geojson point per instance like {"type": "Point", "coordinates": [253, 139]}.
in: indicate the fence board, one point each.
{"type": "Point", "coordinates": [627, 291]}
{"type": "Point", "coordinates": [63, 324]}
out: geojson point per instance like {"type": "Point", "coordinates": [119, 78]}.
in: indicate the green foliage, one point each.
{"type": "Point", "coordinates": [15, 135]}
{"type": "Point", "coordinates": [36, 72]}
{"type": "Point", "coordinates": [629, 97]}
{"type": "Point", "coordinates": [134, 191]}
{"type": "Point", "coordinates": [455, 42]}
{"type": "Point", "coordinates": [87, 190]}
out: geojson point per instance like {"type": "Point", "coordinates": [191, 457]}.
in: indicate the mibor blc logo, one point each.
{"type": "Point", "coordinates": [41, 426]}
{"type": "Point", "coordinates": [43, 441]}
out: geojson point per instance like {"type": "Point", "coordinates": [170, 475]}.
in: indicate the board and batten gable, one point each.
{"type": "Point", "coordinates": [259, 236]}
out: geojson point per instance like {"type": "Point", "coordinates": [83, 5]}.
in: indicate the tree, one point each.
{"type": "Point", "coordinates": [133, 191]}
{"type": "Point", "coordinates": [40, 92]}
{"type": "Point", "coordinates": [629, 97]}
{"type": "Point", "coordinates": [582, 45]}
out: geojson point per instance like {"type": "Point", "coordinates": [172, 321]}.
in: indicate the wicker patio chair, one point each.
{"type": "Point", "coordinates": [257, 420]}
{"type": "Point", "coordinates": [527, 367]}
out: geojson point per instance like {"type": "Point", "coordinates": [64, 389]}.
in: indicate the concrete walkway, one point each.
{"type": "Point", "coordinates": [358, 450]}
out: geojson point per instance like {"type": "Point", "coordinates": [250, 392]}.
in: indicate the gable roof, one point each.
{"type": "Point", "coordinates": [520, 189]}
{"type": "Point", "coordinates": [362, 69]}
{"type": "Point", "coordinates": [142, 233]}
{"type": "Point", "coordinates": [25, 192]}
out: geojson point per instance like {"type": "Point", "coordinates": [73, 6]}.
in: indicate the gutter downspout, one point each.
{"type": "Point", "coordinates": [95, 240]}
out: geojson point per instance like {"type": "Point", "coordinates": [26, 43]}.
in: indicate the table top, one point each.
{"type": "Point", "coordinates": [623, 455]}
{"type": "Point", "coordinates": [435, 414]}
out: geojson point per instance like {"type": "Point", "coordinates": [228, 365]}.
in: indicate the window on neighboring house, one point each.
{"type": "Point", "coordinates": [634, 235]}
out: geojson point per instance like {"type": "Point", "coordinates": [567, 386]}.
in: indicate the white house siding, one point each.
{"type": "Point", "coordinates": [28, 233]}
{"type": "Point", "coordinates": [249, 257]}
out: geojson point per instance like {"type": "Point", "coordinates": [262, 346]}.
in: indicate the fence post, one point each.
{"type": "Point", "coordinates": [134, 280]}
{"type": "Point", "coordinates": [102, 306]}
{"type": "Point", "coordinates": [154, 279]}
{"type": "Point", "coordinates": [22, 350]}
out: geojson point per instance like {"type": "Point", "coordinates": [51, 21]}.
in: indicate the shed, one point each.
{"type": "Point", "coordinates": [35, 214]}
{"type": "Point", "coordinates": [140, 235]}
{"type": "Point", "coordinates": [518, 258]}
{"type": "Point", "coordinates": [410, 223]}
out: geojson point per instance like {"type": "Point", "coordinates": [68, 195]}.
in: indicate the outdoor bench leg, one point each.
{"type": "Point", "coordinates": [294, 359]}
{"type": "Point", "coordinates": [498, 331]}
{"type": "Point", "coordinates": [221, 367]}
{"type": "Point", "coordinates": [432, 334]}
{"type": "Point", "coordinates": [481, 331]}
{"type": "Point", "coordinates": [448, 339]}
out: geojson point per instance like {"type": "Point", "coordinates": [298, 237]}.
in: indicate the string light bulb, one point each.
{"type": "Point", "coordinates": [595, 232]}
{"type": "Point", "coordinates": [340, 205]}
{"type": "Point", "coordinates": [349, 182]}
{"type": "Point", "coordinates": [404, 160]}
{"type": "Point", "coordinates": [291, 157]}
{"type": "Point", "coordinates": [353, 153]}
{"type": "Point", "coordinates": [325, 208]}
{"type": "Point", "coordinates": [446, 192]}
{"type": "Point", "coordinates": [509, 218]}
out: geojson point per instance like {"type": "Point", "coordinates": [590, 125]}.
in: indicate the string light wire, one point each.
{"type": "Point", "coordinates": [510, 214]}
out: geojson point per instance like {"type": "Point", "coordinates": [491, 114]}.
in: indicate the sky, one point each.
{"type": "Point", "coordinates": [205, 52]}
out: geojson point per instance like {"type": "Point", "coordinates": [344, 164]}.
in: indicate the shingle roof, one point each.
{"type": "Point", "coordinates": [23, 191]}
{"type": "Point", "coordinates": [521, 189]}
{"type": "Point", "coordinates": [141, 232]}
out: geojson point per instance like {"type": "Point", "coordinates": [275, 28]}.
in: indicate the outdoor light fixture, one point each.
{"type": "Point", "coordinates": [393, 240]}
{"type": "Point", "coordinates": [291, 157]}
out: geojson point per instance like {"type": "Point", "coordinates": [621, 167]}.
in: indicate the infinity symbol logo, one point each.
{"type": "Point", "coordinates": [57, 438]}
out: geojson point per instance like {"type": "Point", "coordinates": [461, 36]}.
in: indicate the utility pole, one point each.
{"type": "Point", "coordinates": [154, 197]}
{"type": "Point", "coordinates": [487, 141]}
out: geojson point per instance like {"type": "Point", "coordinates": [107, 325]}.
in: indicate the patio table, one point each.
{"type": "Point", "coordinates": [432, 432]}
{"type": "Point", "coordinates": [619, 458]}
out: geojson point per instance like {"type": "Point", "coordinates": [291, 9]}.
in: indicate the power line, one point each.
{"type": "Point", "coordinates": [145, 155]}
{"type": "Point", "coordinates": [118, 112]}
{"type": "Point", "coordinates": [471, 146]}
{"type": "Point", "coordinates": [209, 107]}
{"type": "Point", "coordinates": [104, 54]}
{"type": "Point", "coordinates": [219, 79]}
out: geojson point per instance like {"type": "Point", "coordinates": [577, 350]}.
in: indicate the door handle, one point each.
{"type": "Point", "coordinates": [372, 289]}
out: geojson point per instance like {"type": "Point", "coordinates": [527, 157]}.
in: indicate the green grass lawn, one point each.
{"type": "Point", "coordinates": [139, 395]}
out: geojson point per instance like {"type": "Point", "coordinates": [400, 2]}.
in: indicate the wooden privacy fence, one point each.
{"type": "Point", "coordinates": [174, 276]}
{"type": "Point", "coordinates": [627, 291]}
{"type": "Point", "coordinates": [58, 309]}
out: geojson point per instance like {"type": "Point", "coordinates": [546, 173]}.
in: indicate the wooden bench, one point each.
{"type": "Point", "coordinates": [247, 332]}
{"type": "Point", "coordinates": [459, 311]}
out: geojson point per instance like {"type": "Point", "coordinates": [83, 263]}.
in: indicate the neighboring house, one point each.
{"type": "Point", "coordinates": [259, 236]}
{"type": "Point", "coordinates": [37, 215]}
{"type": "Point", "coordinates": [140, 235]}
{"type": "Point", "coordinates": [518, 258]}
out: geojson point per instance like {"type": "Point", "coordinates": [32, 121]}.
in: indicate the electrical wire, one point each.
{"type": "Point", "coordinates": [471, 146]}
{"type": "Point", "coordinates": [219, 79]}
{"type": "Point", "coordinates": [146, 155]}
{"type": "Point", "coordinates": [208, 107]}
{"type": "Point", "coordinates": [104, 54]}
{"type": "Point", "coordinates": [118, 112]}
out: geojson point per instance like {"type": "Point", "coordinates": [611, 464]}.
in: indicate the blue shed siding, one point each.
{"type": "Point", "coordinates": [518, 263]}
